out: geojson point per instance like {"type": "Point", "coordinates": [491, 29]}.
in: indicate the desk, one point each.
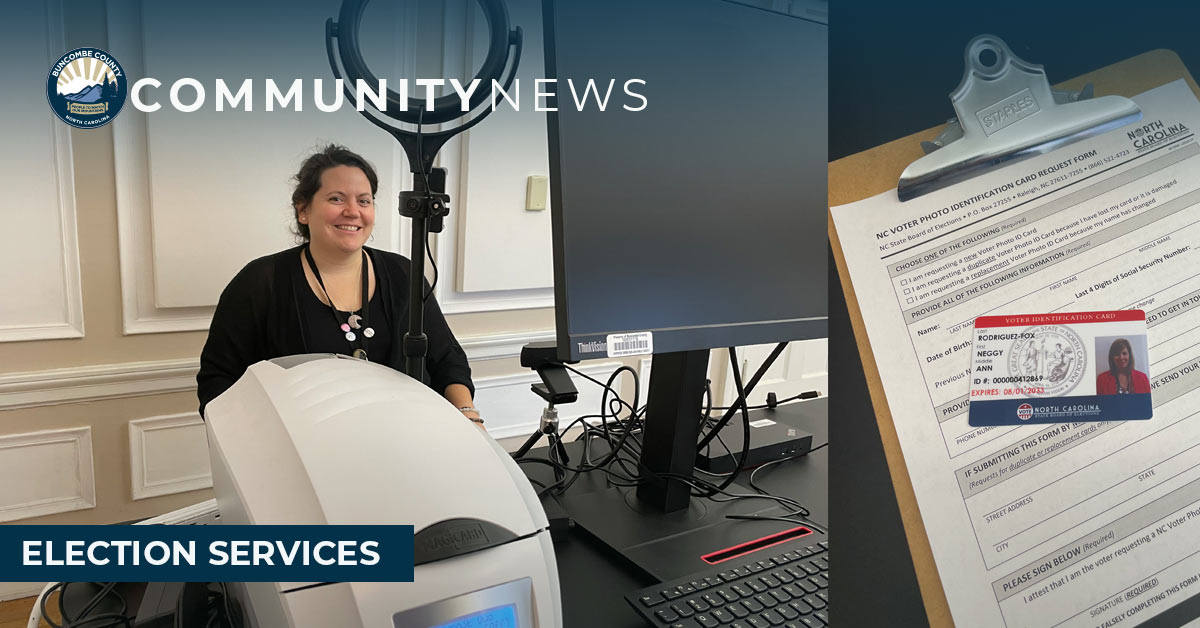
{"type": "Point", "coordinates": [594, 581]}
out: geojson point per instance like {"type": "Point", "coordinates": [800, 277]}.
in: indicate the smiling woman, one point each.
{"type": "Point", "coordinates": [332, 294]}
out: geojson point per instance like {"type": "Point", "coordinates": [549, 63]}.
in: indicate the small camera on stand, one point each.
{"type": "Point", "coordinates": [556, 388]}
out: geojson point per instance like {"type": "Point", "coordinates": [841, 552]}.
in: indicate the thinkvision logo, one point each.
{"type": "Point", "coordinates": [595, 346]}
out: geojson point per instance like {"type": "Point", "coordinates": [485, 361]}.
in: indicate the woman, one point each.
{"type": "Point", "coordinates": [1121, 377]}
{"type": "Point", "coordinates": [310, 299]}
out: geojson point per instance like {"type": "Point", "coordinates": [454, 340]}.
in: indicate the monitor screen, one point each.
{"type": "Point", "coordinates": [701, 217]}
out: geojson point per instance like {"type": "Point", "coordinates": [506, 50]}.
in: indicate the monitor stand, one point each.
{"type": "Point", "coordinates": [658, 526]}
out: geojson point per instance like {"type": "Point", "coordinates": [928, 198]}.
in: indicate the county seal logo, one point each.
{"type": "Point", "coordinates": [86, 88]}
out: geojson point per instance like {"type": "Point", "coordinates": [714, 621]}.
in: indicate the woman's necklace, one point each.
{"type": "Point", "coordinates": [354, 321]}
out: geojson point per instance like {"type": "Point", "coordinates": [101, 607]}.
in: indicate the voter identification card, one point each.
{"type": "Point", "coordinates": [1059, 368]}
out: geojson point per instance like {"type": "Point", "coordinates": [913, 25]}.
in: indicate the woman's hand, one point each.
{"type": "Point", "coordinates": [473, 415]}
{"type": "Point", "coordinates": [460, 396]}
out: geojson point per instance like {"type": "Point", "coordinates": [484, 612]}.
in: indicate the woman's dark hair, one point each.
{"type": "Point", "coordinates": [1117, 345]}
{"type": "Point", "coordinates": [308, 180]}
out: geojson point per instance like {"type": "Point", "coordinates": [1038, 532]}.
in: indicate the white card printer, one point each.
{"type": "Point", "coordinates": [321, 439]}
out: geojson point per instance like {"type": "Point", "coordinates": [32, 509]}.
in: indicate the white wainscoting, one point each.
{"type": "Point", "coordinates": [134, 379]}
{"type": "Point", "coordinates": [98, 382]}
{"type": "Point", "coordinates": [39, 247]}
{"type": "Point", "coordinates": [496, 346]}
{"type": "Point", "coordinates": [46, 472]}
{"type": "Point", "coordinates": [168, 454]}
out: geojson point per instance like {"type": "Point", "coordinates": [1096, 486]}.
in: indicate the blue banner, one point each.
{"type": "Point", "coordinates": [1060, 409]}
{"type": "Point", "coordinates": [212, 553]}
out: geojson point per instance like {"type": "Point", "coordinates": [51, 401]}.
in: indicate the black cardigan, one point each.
{"type": "Point", "coordinates": [259, 317]}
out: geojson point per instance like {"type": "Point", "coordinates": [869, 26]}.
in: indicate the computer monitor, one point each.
{"type": "Point", "coordinates": [698, 221]}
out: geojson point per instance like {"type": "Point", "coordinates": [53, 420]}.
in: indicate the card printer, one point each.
{"type": "Point", "coordinates": [322, 439]}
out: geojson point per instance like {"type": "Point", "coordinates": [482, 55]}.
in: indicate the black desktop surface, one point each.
{"type": "Point", "coordinates": [594, 579]}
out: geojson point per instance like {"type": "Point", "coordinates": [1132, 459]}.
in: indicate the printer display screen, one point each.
{"type": "Point", "coordinates": [499, 617]}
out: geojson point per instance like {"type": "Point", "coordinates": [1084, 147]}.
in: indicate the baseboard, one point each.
{"type": "Point", "coordinates": [19, 590]}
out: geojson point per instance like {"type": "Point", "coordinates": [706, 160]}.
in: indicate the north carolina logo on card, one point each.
{"type": "Point", "coordinates": [1052, 355]}
{"type": "Point", "coordinates": [86, 88]}
{"type": "Point", "coordinates": [1024, 412]}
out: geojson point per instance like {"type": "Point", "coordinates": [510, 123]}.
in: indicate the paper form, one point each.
{"type": "Point", "coordinates": [1076, 524]}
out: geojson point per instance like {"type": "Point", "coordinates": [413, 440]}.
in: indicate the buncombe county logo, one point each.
{"type": "Point", "coordinates": [86, 88]}
{"type": "Point", "coordinates": [1049, 360]}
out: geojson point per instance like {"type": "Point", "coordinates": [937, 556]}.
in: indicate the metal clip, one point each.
{"type": "Point", "coordinates": [1006, 111]}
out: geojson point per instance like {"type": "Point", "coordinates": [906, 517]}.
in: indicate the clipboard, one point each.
{"type": "Point", "coordinates": [877, 170]}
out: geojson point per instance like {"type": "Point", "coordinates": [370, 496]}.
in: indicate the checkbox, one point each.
{"type": "Point", "coordinates": [908, 291]}
{"type": "Point", "coordinates": [904, 282]}
{"type": "Point", "coordinates": [910, 299]}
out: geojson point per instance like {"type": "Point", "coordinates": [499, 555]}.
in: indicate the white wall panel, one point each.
{"type": "Point", "coordinates": [39, 252]}
{"type": "Point", "coordinates": [46, 472]}
{"type": "Point", "coordinates": [504, 246]}
{"type": "Point", "coordinates": [493, 255]}
{"type": "Point", "coordinates": [168, 454]}
{"type": "Point", "coordinates": [202, 193]}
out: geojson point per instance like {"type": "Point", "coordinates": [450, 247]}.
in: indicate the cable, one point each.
{"type": "Point", "coordinates": [741, 401]}
{"type": "Point", "coordinates": [608, 387]}
{"type": "Point", "coordinates": [619, 434]}
{"type": "Point", "coordinates": [701, 484]}
{"type": "Point", "coordinates": [544, 461]}
{"type": "Point", "coordinates": [627, 428]}
{"type": "Point", "coordinates": [87, 608]}
{"type": "Point", "coordinates": [428, 203]}
{"type": "Point", "coordinates": [113, 619]}
{"type": "Point", "coordinates": [432, 262]}
{"type": "Point", "coordinates": [46, 616]}
{"type": "Point", "coordinates": [706, 421]}
{"type": "Point", "coordinates": [39, 606]}
{"type": "Point", "coordinates": [803, 395]}
{"type": "Point", "coordinates": [785, 518]}
{"type": "Point", "coordinates": [766, 465]}
{"type": "Point", "coordinates": [622, 466]}
{"type": "Point", "coordinates": [230, 618]}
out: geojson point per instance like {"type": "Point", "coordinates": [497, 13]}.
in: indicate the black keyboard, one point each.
{"type": "Point", "coordinates": [790, 590]}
